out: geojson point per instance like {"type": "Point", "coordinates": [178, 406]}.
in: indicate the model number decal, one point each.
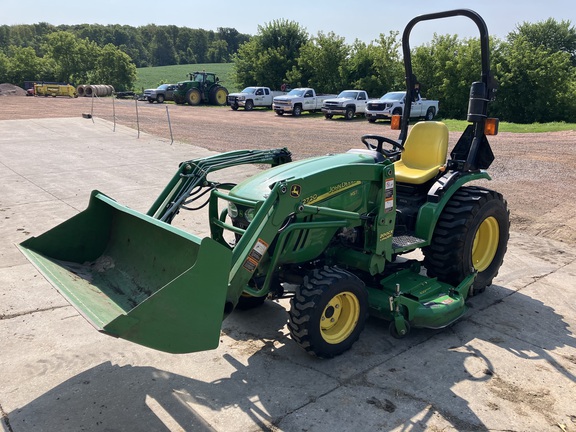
{"type": "Point", "coordinates": [335, 189]}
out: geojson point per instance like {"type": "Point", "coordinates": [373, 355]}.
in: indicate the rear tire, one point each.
{"type": "Point", "coordinates": [472, 232]}
{"type": "Point", "coordinates": [328, 312]}
{"type": "Point", "coordinates": [328, 116]}
{"type": "Point", "coordinates": [218, 96]}
{"type": "Point", "coordinates": [430, 114]}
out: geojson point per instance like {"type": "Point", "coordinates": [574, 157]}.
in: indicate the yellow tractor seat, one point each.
{"type": "Point", "coordinates": [424, 153]}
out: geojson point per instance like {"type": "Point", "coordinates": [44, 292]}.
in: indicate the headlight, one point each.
{"type": "Point", "coordinates": [249, 214]}
{"type": "Point", "coordinates": [241, 98]}
{"type": "Point", "coordinates": [232, 210]}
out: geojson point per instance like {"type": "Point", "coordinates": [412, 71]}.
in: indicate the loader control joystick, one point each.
{"type": "Point", "coordinates": [393, 154]}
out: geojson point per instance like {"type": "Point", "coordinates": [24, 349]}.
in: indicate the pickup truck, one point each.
{"type": "Point", "coordinates": [348, 103]}
{"type": "Point", "coordinates": [392, 103]}
{"type": "Point", "coordinates": [298, 100]}
{"type": "Point", "coordinates": [252, 97]}
{"type": "Point", "coordinates": [164, 92]}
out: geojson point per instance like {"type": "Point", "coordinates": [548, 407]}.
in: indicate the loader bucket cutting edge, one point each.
{"type": "Point", "coordinates": [135, 277]}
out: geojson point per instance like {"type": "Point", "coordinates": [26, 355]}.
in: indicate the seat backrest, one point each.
{"type": "Point", "coordinates": [426, 146]}
{"type": "Point", "coordinates": [425, 151]}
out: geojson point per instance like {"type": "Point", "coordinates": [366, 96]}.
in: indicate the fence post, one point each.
{"type": "Point", "coordinates": [137, 118]}
{"type": "Point", "coordinates": [169, 126]}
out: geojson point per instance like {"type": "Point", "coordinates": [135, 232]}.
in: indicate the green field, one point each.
{"type": "Point", "coordinates": [151, 77]}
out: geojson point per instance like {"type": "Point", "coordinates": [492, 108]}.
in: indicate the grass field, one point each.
{"type": "Point", "coordinates": [151, 77]}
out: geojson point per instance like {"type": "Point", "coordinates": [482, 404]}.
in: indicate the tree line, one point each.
{"type": "Point", "coordinates": [535, 64]}
{"type": "Point", "coordinates": [94, 53]}
{"type": "Point", "coordinates": [535, 67]}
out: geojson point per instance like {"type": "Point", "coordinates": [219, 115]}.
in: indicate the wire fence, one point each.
{"type": "Point", "coordinates": [132, 113]}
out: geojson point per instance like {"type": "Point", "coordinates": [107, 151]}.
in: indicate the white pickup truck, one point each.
{"type": "Point", "coordinates": [392, 103]}
{"type": "Point", "coordinates": [252, 97]}
{"type": "Point", "coordinates": [298, 100]}
{"type": "Point", "coordinates": [348, 103]}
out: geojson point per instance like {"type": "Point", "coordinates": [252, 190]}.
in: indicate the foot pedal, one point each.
{"type": "Point", "coordinates": [402, 242]}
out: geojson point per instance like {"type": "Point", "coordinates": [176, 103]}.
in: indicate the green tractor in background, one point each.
{"type": "Point", "coordinates": [203, 87]}
{"type": "Point", "coordinates": [334, 233]}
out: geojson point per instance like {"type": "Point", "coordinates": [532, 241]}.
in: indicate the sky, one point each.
{"type": "Point", "coordinates": [364, 20]}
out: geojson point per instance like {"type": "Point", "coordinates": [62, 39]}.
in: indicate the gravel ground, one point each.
{"type": "Point", "coordinates": [534, 172]}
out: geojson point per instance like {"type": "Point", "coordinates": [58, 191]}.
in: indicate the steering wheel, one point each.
{"type": "Point", "coordinates": [397, 147]}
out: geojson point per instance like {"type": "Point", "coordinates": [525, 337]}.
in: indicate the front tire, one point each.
{"type": "Point", "coordinates": [349, 115]}
{"type": "Point", "coordinates": [297, 111]}
{"type": "Point", "coordinates": [471, 233]}
{"type": "Point", "coordinates": [328, 312]}
{"type": "Point", "coordinates": [160, 99]}
{"type": "Point", "coordinates": [249, 106]}
{"type": "Point", "coordinates": [193, 97]}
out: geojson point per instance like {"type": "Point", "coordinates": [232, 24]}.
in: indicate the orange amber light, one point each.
{"type": "Point", "coordinates": [395, 122]}
{"type": "Point", "coordinates": [491, 126]}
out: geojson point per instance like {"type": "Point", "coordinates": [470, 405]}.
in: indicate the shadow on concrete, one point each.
{"type": "Point", "coordinates": [269, 386]}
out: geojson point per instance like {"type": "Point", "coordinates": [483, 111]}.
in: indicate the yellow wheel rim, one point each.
{"type": "Point", "coordinates": [340, 317]}
{"type": "Point", "coordinates": [485, 243]}
{"type": "Point", "coordinates": [221, 96]}
{"type": "Point", "coordinates": [195, 98]}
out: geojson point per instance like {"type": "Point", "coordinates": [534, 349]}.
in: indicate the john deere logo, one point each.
{"type": "Point", "coordinates": [295, 191]}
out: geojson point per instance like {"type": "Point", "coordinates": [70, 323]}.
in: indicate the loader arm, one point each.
{"type": "Point", "coordinates": [191, 177]}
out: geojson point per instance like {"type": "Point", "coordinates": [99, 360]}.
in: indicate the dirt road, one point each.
{"type": "Point", "coordinates": [536, 173]}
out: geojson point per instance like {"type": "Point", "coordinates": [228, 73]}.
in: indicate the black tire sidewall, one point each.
{"type": "Point", "coordinates": [330, 288]}
{"type": "Point", "coordinates": [492, 208]}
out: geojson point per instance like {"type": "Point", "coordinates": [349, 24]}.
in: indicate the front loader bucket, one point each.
{"type": "Point", "coordinates": [135, 277]}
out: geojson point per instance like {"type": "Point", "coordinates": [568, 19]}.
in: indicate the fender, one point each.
{"type": "Point", "coordinates": [439, 194]}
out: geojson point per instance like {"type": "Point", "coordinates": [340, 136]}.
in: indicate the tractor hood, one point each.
{"type": "Point", "coordinates": [258, 187]}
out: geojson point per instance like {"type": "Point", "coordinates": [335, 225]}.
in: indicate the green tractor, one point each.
{"type": "Point", "coordinates": [333, 233]}
{"type": "Point", "coordinates": [203, 87]}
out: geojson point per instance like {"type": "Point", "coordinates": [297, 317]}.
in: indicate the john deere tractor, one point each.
{"type": "Point", "coordinates": [203, 87]}
{"type": "Point", "coordinates": [333, 233]}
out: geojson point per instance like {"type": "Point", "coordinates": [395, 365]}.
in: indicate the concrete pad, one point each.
{"type": "Point", "coordinates": [509, 364]}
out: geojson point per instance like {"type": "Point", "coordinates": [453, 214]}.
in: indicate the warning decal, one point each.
{"type": "Point", "coordinates": [255, 255]}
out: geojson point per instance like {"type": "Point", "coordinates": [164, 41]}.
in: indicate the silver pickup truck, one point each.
{"type": "Point", "coordinates": [392, 103]}
{"type": "Point", "coordinates": [298, 100]}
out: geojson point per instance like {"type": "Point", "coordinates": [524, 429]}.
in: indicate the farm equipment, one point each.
{"type": "Point", "coordinates": [203, 87]}
{"type": "Point", "coordinates": [54, 89]}
{"type": "Point", "coordinates": [334, 233]}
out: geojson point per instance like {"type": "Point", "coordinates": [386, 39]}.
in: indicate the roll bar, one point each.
{"type": "Point", "coordinates": [481, 92]}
